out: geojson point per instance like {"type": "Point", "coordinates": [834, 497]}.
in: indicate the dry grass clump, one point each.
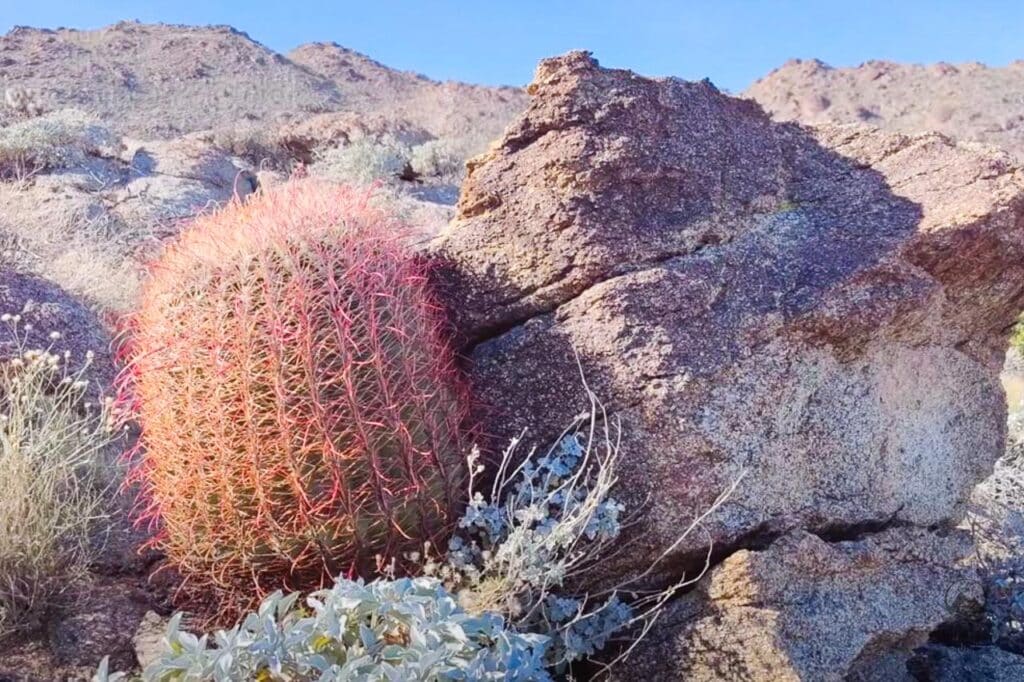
{"type": "Point", "coordinates": [445, 158]}
{"type": "Point", "coordinates": [108, 278]}
{"type": "Point", "coordinates": [441, 158]}
{"type": "Point", "coordinates": [61, 233]}
{"type": "Point", "coordinates": [61, 139]}
{"type": "Point", "coordinates": [53, 502]}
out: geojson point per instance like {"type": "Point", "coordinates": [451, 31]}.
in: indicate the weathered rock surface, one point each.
{"type": "Point", "coordinates": [823, 311]}
{"type": "Point", "coordinates": [807, 609]}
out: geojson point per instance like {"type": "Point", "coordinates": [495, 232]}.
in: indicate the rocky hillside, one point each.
{"type": "Point", "coordinates": [160, 81]}
{"type": "Point", "coordinates": [109, 137]}
{"type": "Point", "coordinates": [966, 101]}
{"type": "Point", "coordinates": [443, 109]}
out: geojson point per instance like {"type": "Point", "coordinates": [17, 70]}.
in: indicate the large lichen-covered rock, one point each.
{"type": "Point", "coordinates": [807, 609]}
{"type": "Point", "coordinates": [822, 311]}
{"type": "Point", "coordinates": [820, 314]}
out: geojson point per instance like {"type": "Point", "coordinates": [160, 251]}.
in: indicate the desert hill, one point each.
{"type": "Point", "coordinates": [971, 102]}
{"type": "Point", "coordinates": [162, 81]}
{"type": "Point", "coordinates": [448, 109]}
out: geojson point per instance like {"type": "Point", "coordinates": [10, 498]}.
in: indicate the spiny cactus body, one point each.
{"type": "Point", "coordinates": [302, 415]}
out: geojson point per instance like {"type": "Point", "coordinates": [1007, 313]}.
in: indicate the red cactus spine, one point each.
{"type": "Point", "coordinates": [302, 415]}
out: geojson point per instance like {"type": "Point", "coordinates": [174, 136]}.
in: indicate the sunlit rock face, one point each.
{"type": "Point", "coordinates": [822, 313]}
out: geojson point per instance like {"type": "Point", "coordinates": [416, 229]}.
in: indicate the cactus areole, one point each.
{"type": "Point", "coordinates": [302, 414]}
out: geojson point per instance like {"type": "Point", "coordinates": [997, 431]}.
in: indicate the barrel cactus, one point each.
{"type": "Point", "coordinates": [302, 416]}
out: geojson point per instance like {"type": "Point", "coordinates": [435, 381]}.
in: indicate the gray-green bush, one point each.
{"type": "Point", "coordinates": [363, 161]}
{"type": "Point", "coordinates": [384, 631]}
{"type": "Point", "coordinates": [60, 139]}
{"type": "Point", "coordinates": [440, 159]}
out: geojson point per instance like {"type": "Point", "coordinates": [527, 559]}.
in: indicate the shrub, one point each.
{"type": "Point", "coordinates": [530, 547]}
{"type": "Point", "coordinates": [387, 630]}
{"type": "Point", "coordinates": [1017, 337]}
{"type": "Point", "coordinates": [61, 139]}
{"type": "Point", "coordinates": [364, 161]}
{"type": "Point", "coordinates": [53, 499]}
{"type": "Point", "coordinates": [22, 102]}
{"type": "Point", "coordinates": [440, 159]}
{"type": "Point", "coordinates": [301, 413]}
{"type": "Point", "coordinates": [446, 157]}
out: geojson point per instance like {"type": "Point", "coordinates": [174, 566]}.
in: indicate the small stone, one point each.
{"type": "Point", "coordinates": [149, 637]}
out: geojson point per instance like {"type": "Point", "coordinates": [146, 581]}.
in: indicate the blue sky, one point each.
{"type": "Point", "coordinates": [730, 41]}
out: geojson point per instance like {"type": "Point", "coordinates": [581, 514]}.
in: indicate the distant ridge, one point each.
{"type": "Point", "coordinates": [969, 101]}
{"type": "Point", "coordinates": [162, 81]}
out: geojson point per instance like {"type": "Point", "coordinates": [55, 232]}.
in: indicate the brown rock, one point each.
{"type": "Point", "coordinates": [806, 609]}
{"type": "Point", "coordinates": [822, 310]}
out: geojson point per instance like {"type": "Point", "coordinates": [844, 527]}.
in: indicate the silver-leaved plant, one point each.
{"type": "Point", "coordinates": [384, 631]}
{"type": "Point", "coordinates": [528, 548]}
